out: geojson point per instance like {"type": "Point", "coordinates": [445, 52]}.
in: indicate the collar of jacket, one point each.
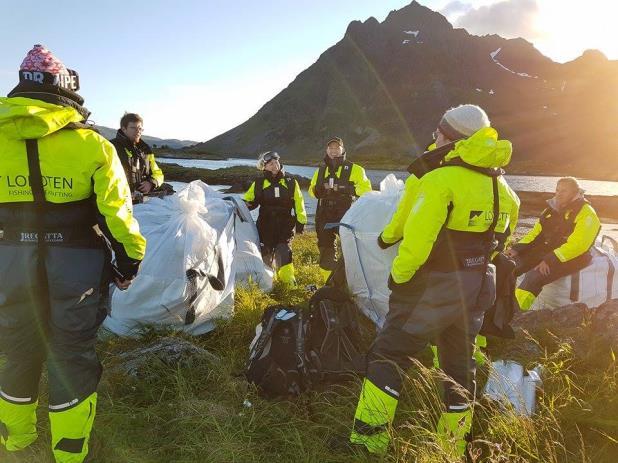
{"type": "Point", "coordinates": [334, 164]}
{"type": "Point", "coordinates": [274, 178]}
{"type": "Point", "coordinates": [429, 160]}
{"type": "Point", "coordinates": [575, 204]}
{"type": "Point", "coordinates": [51, 94]}
{"type": "Point", "coordinates": [141, 145]}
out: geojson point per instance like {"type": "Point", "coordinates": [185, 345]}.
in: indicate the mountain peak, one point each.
{"type": "Point", "coordinates": [417, 16]}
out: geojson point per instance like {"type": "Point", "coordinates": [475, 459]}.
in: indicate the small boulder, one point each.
{"type": "Point", "coordinates": [170, 351]}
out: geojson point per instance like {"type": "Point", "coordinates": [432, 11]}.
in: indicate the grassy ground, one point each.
{"type": "Point", "coordinates": [200, 412]}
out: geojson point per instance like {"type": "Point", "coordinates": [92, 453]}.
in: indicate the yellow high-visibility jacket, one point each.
{"type": "Point", "coordinates": [76, 164]}
{"type": "Point", "coordinates": [572, 231]}
{"type": "Point", "coordinates": [458, 199]}
{"type": "Point", "coordinates": [393, 232]}
{"type": "Point", "coordinates": [358, 177]}
{"type": "Point", "coordinates": [299, 201]}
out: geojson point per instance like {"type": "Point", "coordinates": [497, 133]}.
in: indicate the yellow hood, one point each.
{"type": "Point", "coordinates": [23, 118]}
{"type": "Point", "coordinates": [483, 149]}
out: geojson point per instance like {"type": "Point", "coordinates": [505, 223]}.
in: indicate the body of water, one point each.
{"type": "Point", "coordinates": [517, 182]}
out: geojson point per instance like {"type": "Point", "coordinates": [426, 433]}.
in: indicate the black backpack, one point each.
{"type": "Point", "coordinates": [277, 355]}
{"type": "Point", "coordinates": [333, 340]}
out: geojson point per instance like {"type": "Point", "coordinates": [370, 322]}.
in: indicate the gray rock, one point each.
{"type": "Point", "coordinates": [170, 351]}
{"type": "Point", "coordinates": [564, 318]}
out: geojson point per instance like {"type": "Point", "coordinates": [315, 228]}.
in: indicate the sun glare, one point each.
{"type": "Point", "coordinates": [568, 28]}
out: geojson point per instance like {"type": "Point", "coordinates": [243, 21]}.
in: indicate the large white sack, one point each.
{"type": "Point", "coordinates": [507, 383]}
{"type": "Point", "coordinates": [593, 285]}
{"type": "Point", "coordinates": [199, 243]}
{"type": "Point", "coordinates": [367, 265]}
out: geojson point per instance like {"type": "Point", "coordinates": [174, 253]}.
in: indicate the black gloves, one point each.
{"type": "Point", "coordinates": [300, 227]}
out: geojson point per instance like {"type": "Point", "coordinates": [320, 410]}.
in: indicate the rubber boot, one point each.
{"type": "Point", "coordinates": [373, 418]}
{"type": "Point", "coordinates": [17, 424]}
{"type": "Point", "coordinates": [525, 299]}
{"type": "Point", "coordinates": [480, 342]}
{"type": "Point", "coordinates": [70, 430]}
{"type": "Point", "coordinates": [286, 275]}
{"type": "Point", "coordinates": [453, 430]}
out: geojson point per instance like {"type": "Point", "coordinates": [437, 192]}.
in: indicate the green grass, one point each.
{"type": "Point", "coordinates": [195, 413]}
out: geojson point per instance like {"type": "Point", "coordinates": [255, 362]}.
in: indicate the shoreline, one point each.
{"type": "Point", "coordinates": [380, 164]}
{"type": "Point", "coordinates": [239, 179]}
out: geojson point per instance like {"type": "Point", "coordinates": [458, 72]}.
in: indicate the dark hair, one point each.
{"type": "Point", "coordinates": [128, 118]}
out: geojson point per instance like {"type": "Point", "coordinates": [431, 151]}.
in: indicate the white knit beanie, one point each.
{"type": "Point", "coordinates": [463, 121]}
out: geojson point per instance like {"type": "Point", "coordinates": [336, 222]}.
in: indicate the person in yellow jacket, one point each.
{"type": "Point", "coordinates": [558, 244]}
{"type": "Point", "coordinates": [336, 184]}
{"type": "Point", "coordinates": [393, 231]}
{"type": "Point", "coordinates": [441, 280]}
{"type": "Point", "coordinates": [143, 173]}
{"type": "Point", "coordinates": [282, 211]}
{"type": "Point", "coordinates": [61, 187]}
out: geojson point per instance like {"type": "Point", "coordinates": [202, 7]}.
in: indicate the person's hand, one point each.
{"type": "Point", "coordinates": [122, 285]}
{"type": "Point", "coordinates": [145, 187]}
{"type": "Point", "coordinates": [543, 268]}
{"type": "Point", "coordinates": [511, 253]}
{"type": "Point", "coordinates": [327, 186]}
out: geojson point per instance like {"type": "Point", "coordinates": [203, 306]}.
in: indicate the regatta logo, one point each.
{"type": "Point", "coordinates": [34, 237]}
{"type": "Point", "coordinates": [474, 261]}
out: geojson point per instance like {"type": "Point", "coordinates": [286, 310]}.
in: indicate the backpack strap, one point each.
{"type": "Point", "coordinates": [38, 194]}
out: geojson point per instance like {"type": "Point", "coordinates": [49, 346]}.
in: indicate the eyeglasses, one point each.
{"type": "Point", "coordinates": [136, 128]}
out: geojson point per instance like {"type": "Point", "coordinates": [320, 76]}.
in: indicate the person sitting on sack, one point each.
{"type": "Point", "coordinates": [558, 244]}
{"type": "Point", "coordinates": [282, 211]}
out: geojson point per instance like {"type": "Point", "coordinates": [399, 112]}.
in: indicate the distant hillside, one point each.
{"type": "Point", "coordinates": [384, 86]}
{"type": "Point", "coordinates": [170, 143]}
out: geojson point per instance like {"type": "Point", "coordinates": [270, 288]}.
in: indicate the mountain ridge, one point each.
{"type": "Point", "coordinates": [384, 86]}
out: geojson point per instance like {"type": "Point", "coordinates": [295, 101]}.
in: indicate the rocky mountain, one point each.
{"type": "Point", "coordinates": [152, 141]}
{"type": "Point", "coordinates": [384, 86]}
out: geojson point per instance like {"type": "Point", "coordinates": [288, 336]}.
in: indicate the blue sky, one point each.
{"type": "Point", "coordinates": [194, 69]}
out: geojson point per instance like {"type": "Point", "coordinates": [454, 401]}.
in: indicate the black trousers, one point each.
{"type": "Point", "coordinates": [533, 280]}
{"type": "Point", "coordinates": [327, 237]}
{"type": "Point", "coordinates": [55, 320]}
{"type": "Point", "coordinates": [445, 308]}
